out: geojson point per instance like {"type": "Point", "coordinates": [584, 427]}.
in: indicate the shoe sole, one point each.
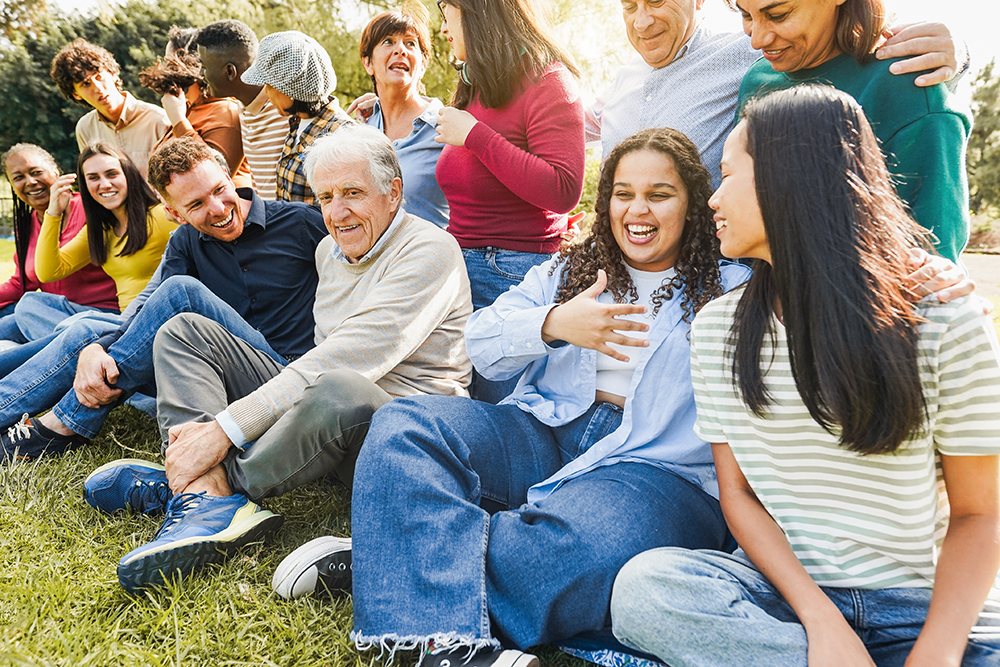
{"type": "Point", "coordinates": [302, 572]}
{"type": "Point", "coordinates": [152, 568]}
{"type": "Point", "coordinates": [139, 463]}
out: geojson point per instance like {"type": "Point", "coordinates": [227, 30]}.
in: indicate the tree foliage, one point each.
{"type": "Point", "coordinates": [984, 144]}
{"type": "Point", "coordinates": [135, 32]}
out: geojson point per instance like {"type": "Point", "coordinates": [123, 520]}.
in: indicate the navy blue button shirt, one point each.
{"type": "Point", "coordinates": [268, 274]}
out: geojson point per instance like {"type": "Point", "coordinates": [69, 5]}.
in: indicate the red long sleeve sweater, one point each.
{"type": "Point", "coordinates": [521, 169]}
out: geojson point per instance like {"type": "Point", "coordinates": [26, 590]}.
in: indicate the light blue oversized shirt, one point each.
{"type": "Point", "coordinates": [559, 382]}
{"type": "Point", "coordinates": [695, 93]}
{"type": "Point", "coordinates": [418, 154]}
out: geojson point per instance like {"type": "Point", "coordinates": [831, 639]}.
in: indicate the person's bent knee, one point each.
{"type": "Point", "coordinates": [186, 328]}
{"type": "Point", "coordinates": [632, 614]}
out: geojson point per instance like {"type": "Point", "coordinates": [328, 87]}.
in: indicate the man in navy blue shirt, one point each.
{"type": "Point", "coordinates": [243, 262]}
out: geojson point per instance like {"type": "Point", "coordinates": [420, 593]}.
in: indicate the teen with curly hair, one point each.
{"type": "Point", "coordinates": [89, 76]}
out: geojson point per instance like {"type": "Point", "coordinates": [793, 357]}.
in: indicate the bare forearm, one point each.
{"type": "Point", "coordinates": [966, 569]}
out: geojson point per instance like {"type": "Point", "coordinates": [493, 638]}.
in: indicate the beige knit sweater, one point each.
{"type": "Point", "coordinates": [397, 318]}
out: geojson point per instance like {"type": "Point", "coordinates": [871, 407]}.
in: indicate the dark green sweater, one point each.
{"type": "Point", "coordinates": [923, 132]}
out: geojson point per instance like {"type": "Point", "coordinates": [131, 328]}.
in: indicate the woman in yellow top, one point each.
{"type": "Point", "coordinates": [127, 228]}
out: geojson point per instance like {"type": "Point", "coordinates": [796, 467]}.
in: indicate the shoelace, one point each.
{"type": "Point", "coordinates": [20, 430]}
{"type": "Point", "coordinates": [140, 492]}
{"type": "Point", "coordinates": [177, 508]}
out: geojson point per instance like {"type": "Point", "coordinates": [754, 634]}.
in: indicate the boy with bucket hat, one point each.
{"type": "Point", "coordinates": [299, 80]}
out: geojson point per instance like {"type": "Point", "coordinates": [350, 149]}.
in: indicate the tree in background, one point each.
{"type": "Point", "coordinates": [984, 143]}
{"type": "Point", "coordinates": [135, 32]}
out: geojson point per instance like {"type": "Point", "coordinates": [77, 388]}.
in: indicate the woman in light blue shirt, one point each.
{"type": "Point", "coordinates": [395, 47]}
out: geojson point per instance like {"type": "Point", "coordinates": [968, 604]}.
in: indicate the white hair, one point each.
{"type": "Point", "coordinates": [351, 143]}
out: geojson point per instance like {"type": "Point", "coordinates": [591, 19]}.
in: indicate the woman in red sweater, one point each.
{"type": "Point", "coordinates": [514, 160]}
{"type": "Point", "coordinates": [31, 171]}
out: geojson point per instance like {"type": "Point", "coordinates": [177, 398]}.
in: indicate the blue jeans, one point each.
{"type": "Point", "coordinates": [694, 609]}
{"type": "Point", "coordinates": [492, 271]}
{"type": "Point", "coordinates": [38, 313]}
{"type": "Point", "coordinates": [445, 546]}
{"type": "Point", "coordinates": [133, 352]}
{"type": "Point", "coordinates": [46, 380]}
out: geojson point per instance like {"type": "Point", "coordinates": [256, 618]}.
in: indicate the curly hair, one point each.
{"type": "Point", "coordinates": [173, 75]}
{"type": "Point", "coordinates": [179, 156]}
{"type": "Point", "coordinates": [697, 272]}
{"type": "Point", "coordinates": [78, 61]}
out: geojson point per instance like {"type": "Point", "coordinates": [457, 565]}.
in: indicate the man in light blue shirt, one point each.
{"type": "Point", "coordinates": [687, 77]}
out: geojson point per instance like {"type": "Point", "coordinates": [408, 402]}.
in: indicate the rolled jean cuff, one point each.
{"type": "Point", "coordinates": [391, 643]}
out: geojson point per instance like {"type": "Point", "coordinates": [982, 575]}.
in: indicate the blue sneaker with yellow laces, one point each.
{"type": "Point", "coordinates": [128, 484]}
{"type": "Point", "coordinates": [199, 529]}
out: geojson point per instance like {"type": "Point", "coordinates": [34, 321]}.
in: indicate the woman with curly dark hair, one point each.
{"type": "Point", "coordinates": [527, 509]}
{"type": "Point", "coordinates": [193, 113]}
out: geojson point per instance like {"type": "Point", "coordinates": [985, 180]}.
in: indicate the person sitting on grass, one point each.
{"type": "Point", "coordinates": [836, 408]}
{"type": "Point", "coordinates": [239, 425]}
{"type": "Point", "coordinates": [248, 264]}
{"type": "Point", "coordinates": [24, 313]}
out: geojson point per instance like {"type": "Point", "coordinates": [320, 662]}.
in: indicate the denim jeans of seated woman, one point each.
{"type": "Point", "coordinates": [701, 609]}
{"type": "Point", "coordinates": [445, 546]}
{"type": "Point", "coordinates": [492, 271]}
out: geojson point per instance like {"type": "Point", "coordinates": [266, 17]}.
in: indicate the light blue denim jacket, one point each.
{"type": "Point", "coordinates": [418, 154]}
{"type": "Point", "coordinates": [559, 382]}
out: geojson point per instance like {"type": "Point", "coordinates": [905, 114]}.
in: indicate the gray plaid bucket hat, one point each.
{"type": "Point", "coordinates": [294, 64]}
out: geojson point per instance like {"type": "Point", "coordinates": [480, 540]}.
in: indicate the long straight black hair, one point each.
{"type": "Point", "coordinates": [838, 237]}
{"type": "Point", "coordinates": [504, 40]}
{"type": "Point", "coordinates": [139, 199]}
{"type": "Point", "coordinates": [22, 213]}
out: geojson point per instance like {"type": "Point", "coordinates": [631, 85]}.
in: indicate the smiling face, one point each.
{"type": "Point", "coordinates": [354, 211]}
{"type": "Point", "coordinates": [452, 28]}
{"type": "Point", "coordinates": [658, 29]}
{"type": "Point", "coordinates": [792, 34]}
{"type": "Point", "coordinates": [738, 221]}
{"type": "Point", "coordinates": [648, 209]}
{"type": "Point", "coordinates": [206, 199]}
{"type": "Point", "coordinates": [100, 90]}
{"type": "Point", "coordinates": [31, 176]}
{"type": "Point", "coordinates": [105, 181]}
{"type": "Point", "coordinates": [397, 62]}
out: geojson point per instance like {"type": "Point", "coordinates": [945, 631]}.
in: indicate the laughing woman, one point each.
{"type": "Point", "coordinates": [26, 314]}
{"type": "Point", "coordinates": [126, 230]}
{"type": "Point", "coordinates": [836, 409]}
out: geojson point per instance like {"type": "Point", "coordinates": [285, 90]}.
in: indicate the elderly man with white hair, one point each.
{"type": "Point", "coordinates": [390, 311]}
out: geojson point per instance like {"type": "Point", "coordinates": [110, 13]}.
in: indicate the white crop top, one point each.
{"type": "Point", "coordinates": [613, 376]}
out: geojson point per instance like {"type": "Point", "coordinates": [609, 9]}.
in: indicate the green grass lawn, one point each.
{"type": "Point", "coordinates": [61, 604]}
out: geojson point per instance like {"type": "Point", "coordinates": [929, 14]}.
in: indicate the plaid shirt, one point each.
{"type": "Point", "coordinates": [292, 184]}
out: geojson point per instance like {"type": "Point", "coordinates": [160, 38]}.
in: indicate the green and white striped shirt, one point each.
{"type": "Point", "coordinates": [854, 521]}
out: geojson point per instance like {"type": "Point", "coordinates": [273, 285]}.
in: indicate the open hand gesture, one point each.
{"type": "Point", "coordinates": [585, 322]}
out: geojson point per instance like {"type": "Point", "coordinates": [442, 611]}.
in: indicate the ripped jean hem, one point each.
{"type": "Point", "coordinates": [423, 643]}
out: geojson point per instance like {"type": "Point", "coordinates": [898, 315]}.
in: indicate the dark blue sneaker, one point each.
{"type": "Point", "coordinates": [28, 440]}
{"type": "Point", "coordinates": [198, 530]}
{"type": "Point", "coordinates": [128, 484]}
